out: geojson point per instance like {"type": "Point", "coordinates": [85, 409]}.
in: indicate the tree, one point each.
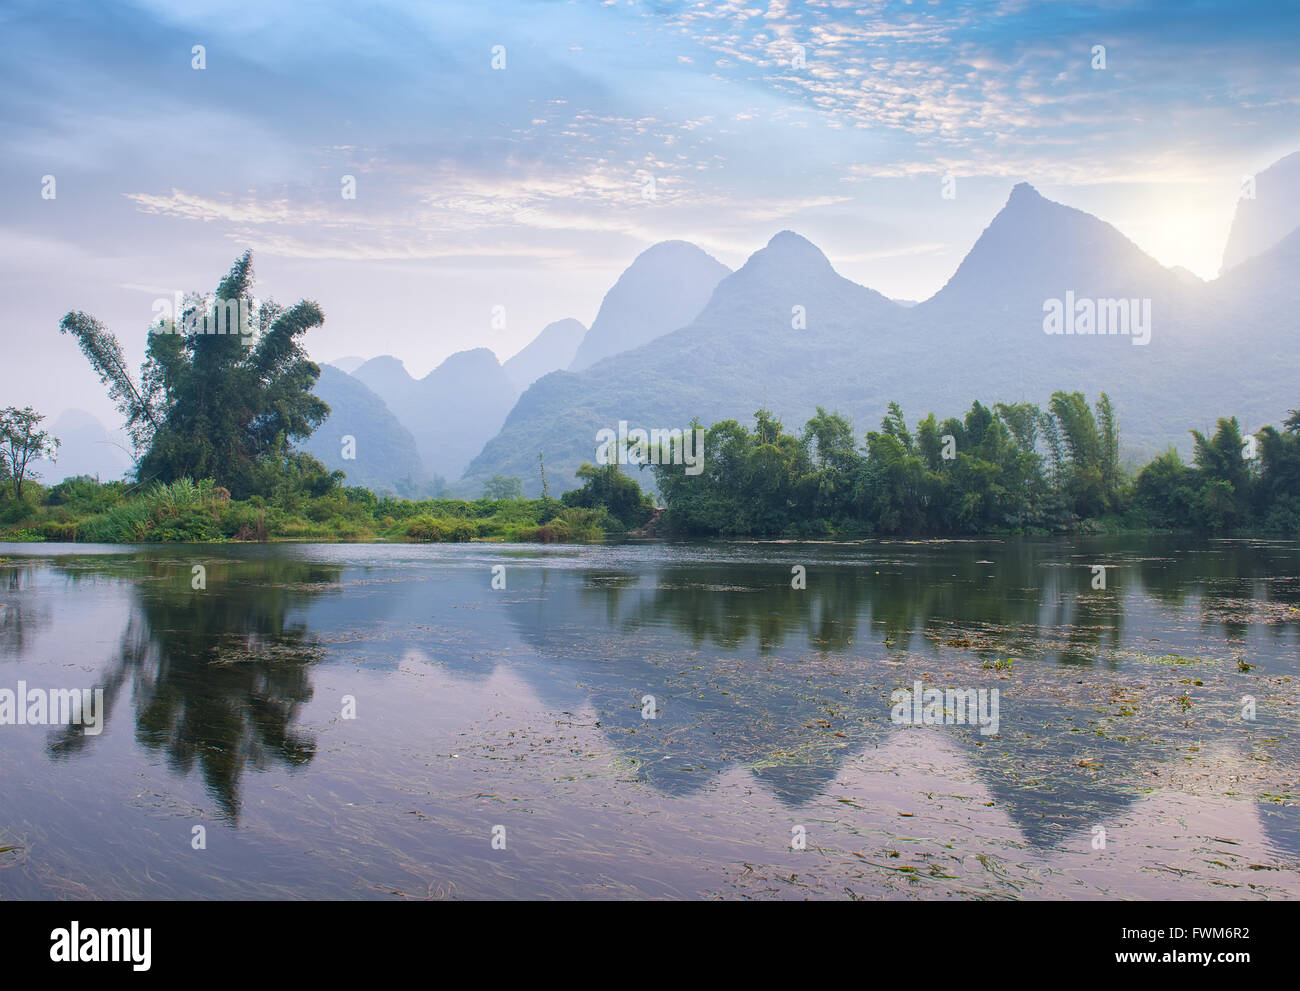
{"type": "Point", "coordinates": [829, 440]}
{"type": "Point", "coordinates": [225, 406]}
{"type": "Point", "coordinates": [501, 487]}
{"type": "Point", "coordinates": [1225, 486]}
{"type": "Point", "coordinates": [23, 443]}
{"type": "Point", "coordinates": [1165, 491]}
{"type": "Point", "coordinates": [1090, 476]}
{"type": "Point", "coordinates": [606, 487]}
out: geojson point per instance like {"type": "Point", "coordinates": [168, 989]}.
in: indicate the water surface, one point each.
{"type": "Point", "coordinates": [1121, 717]}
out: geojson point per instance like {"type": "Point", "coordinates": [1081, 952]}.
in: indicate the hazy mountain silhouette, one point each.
{"type": "Point", "coordinates": [387, 378]}
{"type": "Point", "coordinates": [552, 349]}
{"type": "Point", "coordinates": [86, 448]}
{"type": "Point", "coordinates": [450, 412]}
{"type": "Point", "coordinates": [662, 290]}
{"type": "Point", "coordinates": [741, 351]}
{"type": "Point", "coordinates": [385, 453]}
{"type": "Point", "coordinates": [981, 336]}
{"type": "Point", "coordinates": [1274, 213]}
{"type": "Point", "coordinates": [349, 364]}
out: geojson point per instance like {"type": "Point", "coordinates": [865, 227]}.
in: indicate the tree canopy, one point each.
{"type": "Point", "coordinates": [1009, 468]}
{"type": "Point", "coordinates": [221, 405]}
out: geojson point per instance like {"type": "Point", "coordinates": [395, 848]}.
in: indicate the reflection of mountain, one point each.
{"type": "Point", "coordinates": [747, 672]}
{"type": "Point", "coordinates": [792, 684]}
{"type": "Point", "coordinates": [216, 676]}
{"type": "Point", "coordinates": [1281, 823]}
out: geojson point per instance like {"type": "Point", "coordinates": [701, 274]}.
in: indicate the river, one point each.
{"type": "Point", "coordinates": [654, 720]}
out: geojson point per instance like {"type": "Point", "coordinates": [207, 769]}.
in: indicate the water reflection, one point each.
{"type": "Point", "coordinates": [217, 675]}
{"type": "Point", "coordinates": [789, 684]}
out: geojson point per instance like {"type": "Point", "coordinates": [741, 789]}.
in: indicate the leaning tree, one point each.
{"type": "Point", "coordinates": [213, 401]}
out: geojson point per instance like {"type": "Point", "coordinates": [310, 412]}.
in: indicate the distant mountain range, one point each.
{"type": "Point", "coordinates": [553, 348]}
{"type": "Point", "coordinates": [1225, 347]}
{"type": "Point", "coordinates": [365, 440]}
{"type": "Point", "coordinates": [680, 336]}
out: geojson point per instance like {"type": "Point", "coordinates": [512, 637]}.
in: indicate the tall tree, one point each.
{"type": "Point", "coordinates": [210, 404]}
{"type": "Point", "coordinates": [23, 444]}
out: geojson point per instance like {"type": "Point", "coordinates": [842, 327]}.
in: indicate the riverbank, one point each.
{"type": "Point", "coordinates": [82, 510]}
{"type": "Point", "coordinates": [86, 511]}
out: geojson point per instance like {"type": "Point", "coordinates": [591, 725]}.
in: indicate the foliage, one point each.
{"type": "Point", "coordinates": [216, 405]}
{"type": "Point", "coordinates": [1012, 468]}
{"type": "Point", "coordinates": [81, 509]}
{"type": "Point", "coordinates": [500, 487]}
{"type": "Point", "coordinates": [21, 443]}
{"type": "Point", "coordinates": [606, 487]}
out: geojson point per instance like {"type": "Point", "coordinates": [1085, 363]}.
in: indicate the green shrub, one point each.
{"type": "Point", "coordinates": [54, 530]}
{"type": "Point", "coordinates": [189, 526]}
{"type": "Point", "coordinates": [433, 529]}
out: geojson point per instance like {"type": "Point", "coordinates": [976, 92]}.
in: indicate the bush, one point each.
{"type": "Point", "coordinates": [1284, 516]}
{"type": "Point", "coordinates": [54, 530]}
{"type": "Point", "coordinates": [189, 526]}
{"type": "Point", "coordinates": [433, 529]}
{"type": "Point", "coordinates": [570, 524]}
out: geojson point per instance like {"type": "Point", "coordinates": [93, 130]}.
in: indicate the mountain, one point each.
{"type": "Point", "coordinates": [982, 336]}
{"type": "Point", "coordinates": [1258, 306]}
{"type": "Point", "coordinates": [663, 289]}
{"type": "Point", "coordinates": [387, 378]}
{"type": "Point", "coordinates": [985, 327]}
{"type": "Point", "coordinates": [742, 351]}
{"type": "Point", "coordinates": [552, 349]}
{"type": "Point", "coordinates": [385, 455]}
{"type": "Point", "coordinates": [1035, 244]}
{"type": "Point", "coordinates": [349, 364]}
{"type": "Point", "coordinates": [450, 412]}
{"type": "Point", "coordinates": [1262, 222]}
{"type": "Point", "coordinates": [86, 448]}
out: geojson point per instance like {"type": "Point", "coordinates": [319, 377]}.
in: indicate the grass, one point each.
{"type": "Point", "coordinates": [85, 511]}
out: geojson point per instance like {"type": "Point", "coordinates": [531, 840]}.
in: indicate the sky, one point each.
{"type": "Point", "coordinates": [520, 155]}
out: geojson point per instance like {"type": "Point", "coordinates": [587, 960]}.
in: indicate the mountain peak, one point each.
{"type": "Point", "coordinates": [788, 243]}
{"type": "Point", "coordinates": [1265, 214]}
{"type": "Point", "coordinates": [554, 348]}
{"type": "Point", "coordinates": [663, 289]}
{"type": "Point", "coordinates": [1034, 242]}
{"type": "Point", "coordinates": [1023, 194]}
{"type": "Point", "coordinates": [789, 252]}
{"type": "Point", "coordinates": [470, 361]}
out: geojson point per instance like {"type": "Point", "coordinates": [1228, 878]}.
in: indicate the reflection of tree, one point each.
{"type": "Point", "coordinates": [790, 684]}
{"type": "Point", "coordinates": [217, 675]}
{"type": "Point", "coordinates": [1234, 582]}
{"type": "Point", "coordinates": [17, 607]}
{"type": "Point", "coordinates": [929, 589]}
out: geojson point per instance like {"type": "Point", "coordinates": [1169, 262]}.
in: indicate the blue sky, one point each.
{"type": "Point", "coordinates": [523, 187]}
